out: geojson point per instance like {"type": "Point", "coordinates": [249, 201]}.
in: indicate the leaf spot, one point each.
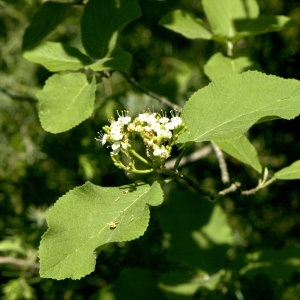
{"type": "Point", "coordinates": [113, 224]}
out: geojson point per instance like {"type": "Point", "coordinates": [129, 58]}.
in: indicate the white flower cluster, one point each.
{"type": "Point", "coordinates": [157, 131]}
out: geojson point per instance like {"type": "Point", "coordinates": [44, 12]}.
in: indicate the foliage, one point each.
{"type": "Point", "coordinates": [207, 238]}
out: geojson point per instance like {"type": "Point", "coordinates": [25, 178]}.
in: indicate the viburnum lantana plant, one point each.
{"type": "Point", "coordinates": [157, 132]}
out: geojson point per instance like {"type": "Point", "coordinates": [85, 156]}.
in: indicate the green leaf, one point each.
{"type": "Point", "coordinates": [17, 289]}
{"type": "Point", "coordinates": [241, 149]}
{"type": "Point", "coordinates": [43, 22]}
{"type": "Point", "coordinates": [222, 15]}
{"type": "Point", "coordinates": [221, 66]}
{"type": "Point", "coordinates": [88, 217]}
{"type": "Point", "coordinates": [290, 172]}
{"type": "Point", "coordinates": [185, 24]}
{"type": "Point", "coordinates": [183, 285]}
{"type": "Point", "coordinates": [263, 24]}
{"type": "Point", "coordinates": [57, 57]}
{"type": "Point", "coordinates": [228, 107]}
{"type": "Point", "coordinates": [102, 20]}
{"type": "Point", "coordinates": [118, 59]}
{"type": "Point", "coordinates": [65, 101]}
{"type": "Point", "coordinates": [12, 245]}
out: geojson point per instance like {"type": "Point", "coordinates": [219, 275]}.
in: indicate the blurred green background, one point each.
{"type": "Point", "coordinates": [37, 167]}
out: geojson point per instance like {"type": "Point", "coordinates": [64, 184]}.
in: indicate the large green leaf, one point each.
{"type": "Point", "coordinates": [241, 149]}
{"type": "Point", "coordinates": [221, 66]}
{"type": "Point", "coordinates": [222, 15]}
{"type": "Point", "coordinates": [57, 57]}
{"type": "Point", "coordinates": [43, 22]}
{"type": "Point", "coordinates": [88, 217]}
{"type": "Point", "coordinates": [65, 101]}
{"type": "Point", "coordinates": [102, 20]}
{"type": "Point", "coordinates": [185, 24]}
{"type": "Point", "coordinates": [228, 107]}
{"type": "Point", "coordinates": [290, 172]}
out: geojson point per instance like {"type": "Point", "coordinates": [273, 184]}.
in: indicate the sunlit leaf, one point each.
{"type": "Point", "coordinates": [228, 107]}
{"type": "Point", "coordinates": [241, 149]}
{"type": "Point", "coordinates": [221, 66]}
{"type": "Point", "coordinates": [65, 101]}
{"type": "Point", "coordinates": [290, 172]}
{"type": "Point", "coordinates": [222, 14]}
{"type": "Point", "coordinates": [91, 216]}
{"type": "Point", "coordinates": [185, 24]}
{"type": "Point", "coordinates": [57, 57]}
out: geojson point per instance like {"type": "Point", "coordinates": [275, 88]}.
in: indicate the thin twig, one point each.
{"type": "Point", "coordinates": [222, 163]}
{"type": "Point", "coordinates": [232, 188]}
{"type": "Point", "coordinates": [155, 96]}
{"type": "Point", "coordinates": [18, 262]}
{"type": "Point", "coordinates": [178, 175]}
{"type": "Point", "coordinates": [198, 154]}
{"type": "Point", "coordinates": [262, 183]}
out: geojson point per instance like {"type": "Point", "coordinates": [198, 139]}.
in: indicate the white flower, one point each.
{"type": "Point", "coordinates": [104, 139]}
{"type": "Point", "coordinates": [164, 133]}
{"type": "Point", "coordinates": [176, 121]}
{"type": "Point", "coordinates": [131, 127]}
{"type": "Point", "coordinates": [155, 127]}
{"type": "Point", "coordinates": [149, 142]}
{"type": "Point", "coordinates": [147, 128]}
{"type": "Point", "coordinates": [169, 126]}
{"type": "Point", "coordinates": [163, 120]}
{"type": "Point", "coordinates": [138, 128]}
{"type": "Point", "coordinates": [160, 152]}
{"type": "Point", "coordinates": [116, 133]}
{"type": "Point", "coordinates": [124, 146]}
{"type": "Point", "coordinates": [115, 146]}
{"type": "Point", "coordinates": [143, 117]}
{"type": "Point", "coordinates": [124, 120]}
{"type": "Point", "coordinates": [152, 119]}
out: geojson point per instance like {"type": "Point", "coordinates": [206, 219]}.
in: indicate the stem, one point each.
{"type": "Point", "coordinates": [198, 154]}
{"type": "Point", "coordinates": [262, 183]}
{"type": "Point", "coordinates": [147, 171]}
{"type": "Point", "coordinates": [222, 163]}
{"type": "Point", "coordinates": [142, 159]}
{"type": "Point", "coordinates": [176, 165]}
{"type": "Point", "coordinates": [18, 262]}
{"type": "Point", "coordinates": [229, 45]}
{"type": "Point", "coordinates": [155, 96]}
{"type": "Point", "coordinates": [189, 181]}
